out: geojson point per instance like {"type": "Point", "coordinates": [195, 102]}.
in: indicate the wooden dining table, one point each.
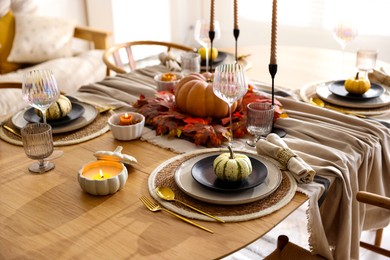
{"type": "Point", "coordinates": [48, 216]}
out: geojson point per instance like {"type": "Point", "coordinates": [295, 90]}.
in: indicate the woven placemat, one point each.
{"type": "Point", "coordinates": [98, 127]}
{"type": "Point", "coordinates": [165, 177]}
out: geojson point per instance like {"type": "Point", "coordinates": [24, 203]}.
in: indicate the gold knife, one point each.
{"type": "Point", "coordinates": [9, 129]}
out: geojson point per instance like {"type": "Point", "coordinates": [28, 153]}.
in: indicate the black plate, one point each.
{"type": "Point", "coordinates": [76, 112]}
{"type": "Point", "coordinates": [220, 58]}
{"type": "Point", "coordinates": [338, 89]}
{"type": "Point", "coordinates": [203, 173]}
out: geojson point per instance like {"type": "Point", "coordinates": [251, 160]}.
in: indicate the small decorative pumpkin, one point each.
{"type": "Point", "coordinates": [58, 109]}
{"type": "Point", "coordinates": [194, 95]}
{"type": "Point", "coordinates": [232, 167]}
{"type": "Point", "coordinates": [357, 85]}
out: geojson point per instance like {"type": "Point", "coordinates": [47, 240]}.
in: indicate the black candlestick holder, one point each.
{"type": "Point", "coordinates": [211, 36]}
{"type": "Point", "coordinates": [273, 68]}
{"type": "Point", "coordinates": [236, 33]}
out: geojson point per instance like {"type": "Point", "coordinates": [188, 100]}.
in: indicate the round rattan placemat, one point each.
{"type": "Point", "coordinates": [164, 176]}
{"type": "Point", "coordinates": [98, 127]}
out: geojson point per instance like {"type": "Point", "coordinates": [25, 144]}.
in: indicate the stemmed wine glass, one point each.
{"type": "Point", "coordinates": [260, 118]}
{"type": "Point", "coordinates": [344, 31]}
{"type": "Point", "coordinates": [201, 34]}
{"type": "Point", "coordinates": [38, 144]}
{"type": "Point", "coordinates": [40, 90]}
{"type": "Point", "coordinates": [230, 85]}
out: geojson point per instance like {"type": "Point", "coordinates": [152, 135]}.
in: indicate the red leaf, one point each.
{"type": "Point", "coordinates": [196, 120]}
{"type": "Point", "coordinates": [161, 113]}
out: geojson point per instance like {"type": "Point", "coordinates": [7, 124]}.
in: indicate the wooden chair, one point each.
{"type": "Point", "coordinates": [114, 61]}
{"type": "Point", "coordinates": [379, 201]}
{"type": "Point", "coordinates": [286, 250]}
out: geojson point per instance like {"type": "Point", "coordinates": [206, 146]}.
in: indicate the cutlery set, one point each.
{"type": "Point", "coordinates": [167, 194]}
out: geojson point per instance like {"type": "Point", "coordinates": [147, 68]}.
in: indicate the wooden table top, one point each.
{"type": "Point", "coordinates": [49, 216]}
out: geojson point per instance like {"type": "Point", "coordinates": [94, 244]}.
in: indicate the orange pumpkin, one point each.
{"type": "Point", "coordinates": [194, 95]}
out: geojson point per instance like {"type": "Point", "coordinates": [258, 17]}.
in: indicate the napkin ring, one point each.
{"type": "Point", "coordinates": [284, 155]}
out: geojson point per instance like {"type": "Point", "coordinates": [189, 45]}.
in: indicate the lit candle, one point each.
{"type": "Point", "coordinates": [101, 172]}
{"type": "Point", "coordinates": [125, 119]}
{"type": "Point", "coordinates": [101, 176]}
{"type": "Point", "coordinates": [212, 15]}
{"type": "Point", "coordinates": [273, 32]}
{"type": "Point", "coordinates": [235, 15]}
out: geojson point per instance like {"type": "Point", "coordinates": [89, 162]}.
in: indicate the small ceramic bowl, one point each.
{"type": "Point", "coordinates": [126, 132]}
{"type": "Point", "coordinates": [165, 85]}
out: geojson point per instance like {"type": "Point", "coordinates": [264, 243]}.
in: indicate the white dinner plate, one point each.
{"type": "Point", "coordinates": [188, 185]}
{"type": "Point", "coordinates": [90, 113]}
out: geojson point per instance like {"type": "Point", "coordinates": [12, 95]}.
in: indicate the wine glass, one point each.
{"type": "Point", "coordinates": [37, 141]}
{"type": "Point", "coordinates": [344, 31]}
{"type": "Point", "coordinates": [201, 34]}
{"type": "Point", "coordinates": [40, 90]}
{"type": "Point", "coordinates": [260, 118]}
{"type": "Point", "coordinates": [230, 85]}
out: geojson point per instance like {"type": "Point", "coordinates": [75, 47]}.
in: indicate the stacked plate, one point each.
{"type": "Point", "coordinates": [81, 115]}
{"type": "Point", "coordinates": [375, 101]}
{"type": "Point", "coordinates": [196, 178]}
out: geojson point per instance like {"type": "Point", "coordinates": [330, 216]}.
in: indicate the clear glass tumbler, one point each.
{"type": "Point", "coordinates": [190, 63]}
{"type": "Point", "coordinates": [366, 61]}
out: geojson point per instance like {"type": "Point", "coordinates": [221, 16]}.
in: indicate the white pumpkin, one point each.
{"type": "Point", "coordinates": [58, 109]}
{"type": "Point", "coordinates": [232, 167]}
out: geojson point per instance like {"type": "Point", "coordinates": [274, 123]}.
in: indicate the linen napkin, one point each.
{"type": "Point", "coordinates": [170, 60]}
{"type": "Point", "coordinates": [379, 76]}
{"type": "Point", "coordinates": [274, 147]}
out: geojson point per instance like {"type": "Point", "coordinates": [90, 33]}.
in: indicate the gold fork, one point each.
{"type": "Point", "coordinates": [155, 207]}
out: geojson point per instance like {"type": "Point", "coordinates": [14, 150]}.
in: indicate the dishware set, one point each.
{"type": "Point", "coordinates": [40, 91]}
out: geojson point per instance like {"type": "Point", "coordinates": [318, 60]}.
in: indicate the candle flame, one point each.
{"type": "Point", "coordinates": [101, 174]}
{"type": "Point", "coordinates": [127, 116]}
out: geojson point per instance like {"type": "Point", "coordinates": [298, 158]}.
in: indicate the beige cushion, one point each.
{"type": "Point", "coordinates": [24, 6]}
{"type": "Point", "coordinates": [38, 39]}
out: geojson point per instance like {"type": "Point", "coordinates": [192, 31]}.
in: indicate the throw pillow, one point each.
{"type": "Point", "coordinates": [38, 39]}
{"type": "Point", "coordinates": [7, 29]}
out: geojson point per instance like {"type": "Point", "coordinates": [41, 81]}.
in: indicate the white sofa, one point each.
{"type": "Point", "coordinates": [71, 72]}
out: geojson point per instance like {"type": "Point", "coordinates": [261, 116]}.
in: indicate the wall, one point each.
{"type": "Point", "coordinates": [173, 20]}
{"type": "Point", "coordinates": [69, 9]}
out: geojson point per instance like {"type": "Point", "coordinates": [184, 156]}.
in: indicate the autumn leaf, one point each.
{"type": "Point", "coordinates": [162, 114]}
{"type": "Point", "coordinates": [197, 120]}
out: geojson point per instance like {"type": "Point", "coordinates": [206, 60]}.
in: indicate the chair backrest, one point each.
{"type": "Point", "coordinates": [10, 85]}
{"type": "Point", "coordinates": [379, 201]}
{"type": "Point", "coordinates": [288, 250]}
{"type": "Point", "coordinates": [114, 61]}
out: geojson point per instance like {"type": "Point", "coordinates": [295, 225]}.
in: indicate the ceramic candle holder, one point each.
{"type": "Point", "coordinates": [107, 175]}
{"type": "Point", "coordinates": [126, 132]}
{"type": "Point", "coordinates": [167, 85]}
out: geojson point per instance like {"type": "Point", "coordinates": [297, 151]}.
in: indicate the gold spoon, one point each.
{"type": "Point", "coordinates": [166, 193]}
{"type": "Point", "coordinates": [318, 102]}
